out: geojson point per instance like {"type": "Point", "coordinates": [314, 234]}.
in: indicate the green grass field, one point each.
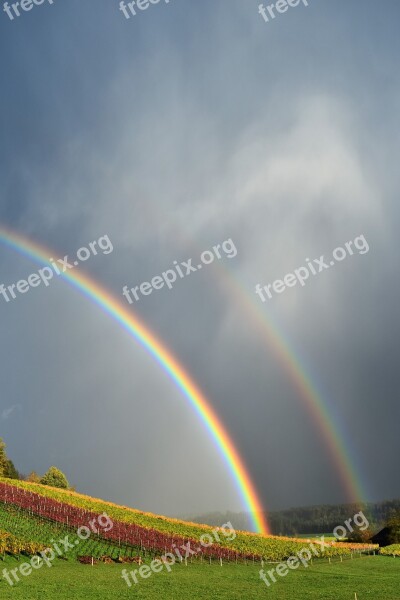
{"type": "Point", "coordinates": [372, 578]}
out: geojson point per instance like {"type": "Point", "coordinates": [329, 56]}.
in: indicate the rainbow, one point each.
{"type": "Point", "coordinates": [142, 334]}
{"type": "Point", "coordinates": [316, 404]}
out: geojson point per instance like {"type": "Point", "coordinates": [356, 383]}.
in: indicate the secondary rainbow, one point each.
{"type": "Point", "coordinates": [142, 334]}
{"type": "Point", "coordinates": [317, 404]}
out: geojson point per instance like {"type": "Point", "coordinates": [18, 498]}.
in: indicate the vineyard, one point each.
{"type": "Point", "coordinates": [11, 544]}
{"type": "Point", "coordinates": [35, 534]}
{"type": "Point", "coordinates": [37, 513]}
{"type": "Point", "coordinates": [393, 550]}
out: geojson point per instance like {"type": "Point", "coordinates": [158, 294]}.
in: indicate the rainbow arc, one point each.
{"type": "Point", "coordinates": [166, 360]}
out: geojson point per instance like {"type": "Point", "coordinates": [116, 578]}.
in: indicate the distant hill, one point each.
{"type": "Point", "coordinates": [310, 519]}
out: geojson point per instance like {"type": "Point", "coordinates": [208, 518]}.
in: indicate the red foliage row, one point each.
{"type": "Point", "coordinates": [122, 533]}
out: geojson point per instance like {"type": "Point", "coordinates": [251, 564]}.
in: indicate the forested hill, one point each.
{"type": "Point", "coordinates": [310, 519]}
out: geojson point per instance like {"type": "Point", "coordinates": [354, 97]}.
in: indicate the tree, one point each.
{"type": "Point", "coordinates": [389, 534]}
{"type": "Point", "coordinates": [394, 529]}
{"type": "Point", "coordinates": [33, 477]}
{"type": "Point", "coordinates": [10, 471]}
{"type": "Point", "coordinates": [55, 478]}
{"type": "Point", "coordinates": [3, 458]}
{"type": "Point", "coordinates": [7, 468]}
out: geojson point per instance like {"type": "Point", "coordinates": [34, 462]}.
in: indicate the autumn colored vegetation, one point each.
{"type": "Point", "coordinates": [12, 544]}
{"type": "Point", "coordinates": [151, 533]}
{"type": "Point", "coordinates": [393, 550]}
{"type": "Point", "coordinates": [37, 506]}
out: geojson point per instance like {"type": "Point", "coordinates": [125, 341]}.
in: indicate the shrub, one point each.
{"type": "Point", "coordinates": [360, 537]}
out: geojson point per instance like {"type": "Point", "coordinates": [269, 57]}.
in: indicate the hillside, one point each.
{"type": "Point", "coordinates": [145, 532]}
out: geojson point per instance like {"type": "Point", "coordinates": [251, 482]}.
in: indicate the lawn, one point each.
{"type": "Point", "coordinates": [372, 578]}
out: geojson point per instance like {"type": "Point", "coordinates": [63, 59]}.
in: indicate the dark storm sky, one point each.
{"type": "Point", "coordinates": [189, 124]}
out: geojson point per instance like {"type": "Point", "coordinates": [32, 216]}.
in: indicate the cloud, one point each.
{"type": "Point", "coordinates": [195, 125]}
{"type": "Point", "coordinates": [7, 412]}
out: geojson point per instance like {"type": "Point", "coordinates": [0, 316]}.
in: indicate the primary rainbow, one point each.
{"type": "Point", "coordinates": [140, 332]}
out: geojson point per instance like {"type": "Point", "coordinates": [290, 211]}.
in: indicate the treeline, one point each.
{"type": "Point", "coordinates": [310, 519]}
{"type": "Point", "coordinates": [324, 518]}
{"type": "Point", "coordinates": [53, 477]}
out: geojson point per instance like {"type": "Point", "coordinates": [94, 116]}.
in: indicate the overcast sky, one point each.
{"type": "Point", "coordinates": [184, 126]}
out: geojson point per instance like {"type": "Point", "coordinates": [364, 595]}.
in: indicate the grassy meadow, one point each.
{"type": "Point", "coordinates": [372, 578]}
